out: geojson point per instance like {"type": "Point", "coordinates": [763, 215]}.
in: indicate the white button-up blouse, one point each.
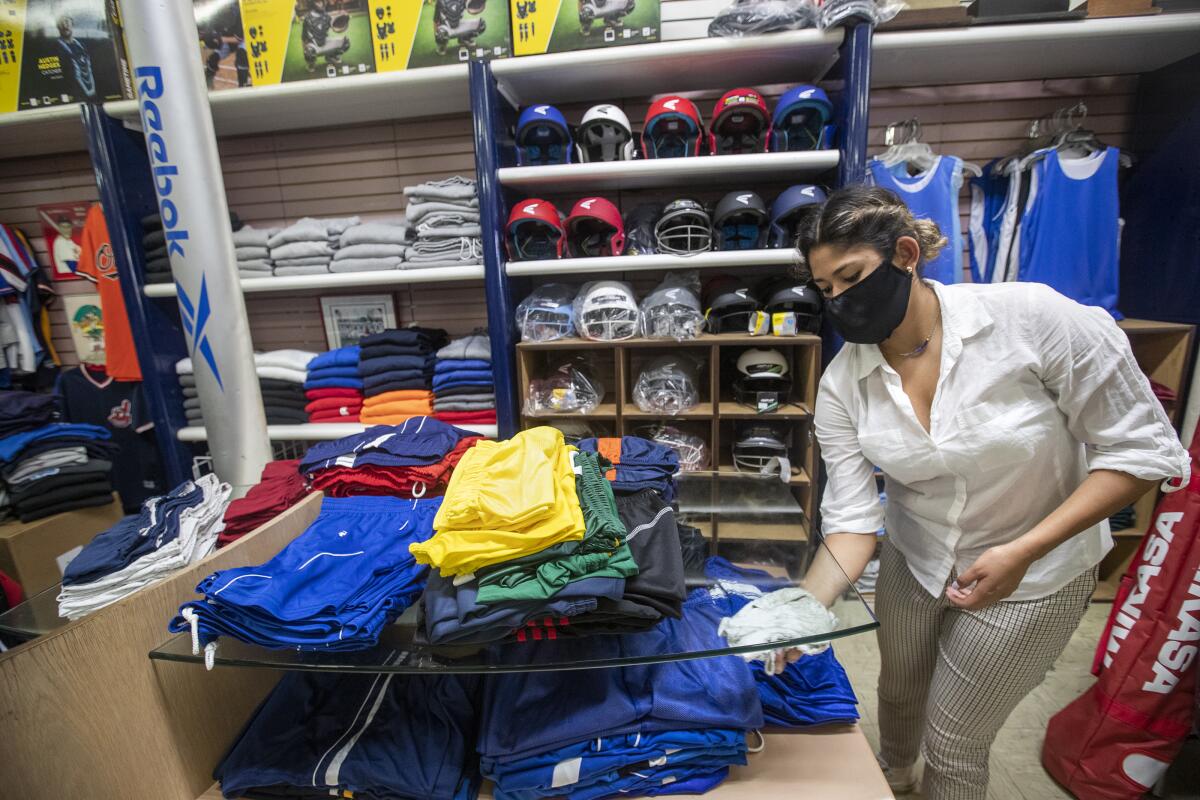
{"type": "Point", "coordinates": [1035, 390]}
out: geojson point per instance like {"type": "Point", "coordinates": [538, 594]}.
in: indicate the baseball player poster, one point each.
{"type": "Point", "coordinates": [434, 32]}
{"type": "Point", "coordinates": [87, 326]}
{"type": "Point", "coordinates": [62, 226]}
{"type": "Point", "coordinates": [222, 44]}
{"type": "Point", "coordinates": [555, 26]}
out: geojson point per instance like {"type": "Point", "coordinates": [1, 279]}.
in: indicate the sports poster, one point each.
{"type": "Point", "coordinates": [62, 226]}
{"type": "Point", "coordinates": [296, 40]}
{"type": "Point", "coordinates": [86, 321]}
{"type": "Point", "coordinates": [434, 32]}
{"type": "Point", "coordinates": [555, 26]}
{"type": "Point", "coordinates": [348, 319]}
{"type": "Point", "coordinates": [222, 44]}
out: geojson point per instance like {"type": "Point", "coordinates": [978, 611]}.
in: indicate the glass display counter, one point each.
{"type": "Point", "coordinates": [36, 616]}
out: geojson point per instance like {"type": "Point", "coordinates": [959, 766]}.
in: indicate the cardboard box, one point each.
{"type": "Point", "coordinates": [429, 33]}
{"type": "Point", "coordinates": [34, 554]}
{"type": "Point", "coordinates": [54, 52]}
{"type": "Point", "coordinates": [556, 26]}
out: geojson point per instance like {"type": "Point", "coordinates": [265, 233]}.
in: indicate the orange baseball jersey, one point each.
{"type": "Point", "coordinates": [97, 263]}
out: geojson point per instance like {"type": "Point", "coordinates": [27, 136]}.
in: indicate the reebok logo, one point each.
{"type": "Point", "coordinates": [195, 318]}
{"type": "Point", "coordinates": [744, 199]}
{"type": "Point", "coordinates": [150, 88]}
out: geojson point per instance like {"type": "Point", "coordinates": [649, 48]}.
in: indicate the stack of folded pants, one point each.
{"type": "Point", "coordinates": [396, 367]}
{"type": "Point", "coordinates": [372, 246]}
{"type": "Point", "coordinates": [279, 488]}
{"type": "Point", "coordinates": [673, 727]}
{"type": "Point", "coordinates": [170, 532]}
{"type": "Point", "coordinates": [281, 377]}
{"type": "Point", "coordinates": [637, 464]}
{"type": "Point", "coordinates": [253, 254]}
{"type": "Point", "coordinates": [154, 246]}
{"type": "Point", "coordinates": [446, 217]}
{"type": "Point", "coordinates": [412, 459]}
{"type": "Point", "coordinates": [312, 738]}
{"type": "Point", "coordinates": [333, 388]}
{"type": "Point", "coordinates": [333, 587]}
{"type": "Point", "coordinates": [464, 390]}
{"type": "Point", "coordinates": [307, 247]}
{"type": "Point", "coordinates": [55, 468]}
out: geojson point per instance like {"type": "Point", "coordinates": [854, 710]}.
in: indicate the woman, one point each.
{"type": "Point", "coordinates": [1009, 422]}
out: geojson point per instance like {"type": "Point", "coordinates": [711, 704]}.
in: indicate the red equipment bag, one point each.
{"type": "Point", "coordinates": [1117, 739]}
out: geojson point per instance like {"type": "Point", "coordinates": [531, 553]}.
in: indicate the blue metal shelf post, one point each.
{"type": "Point", "coordinates": [855, 58]}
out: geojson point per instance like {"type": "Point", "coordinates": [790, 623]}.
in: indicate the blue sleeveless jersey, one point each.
{"type": "Point", "coordinates": [931, 195]}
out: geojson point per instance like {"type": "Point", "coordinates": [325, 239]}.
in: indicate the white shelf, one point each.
{"type": "Point", "coordinates": [681, 66]}
{"type": "Point", "coordinates": [584, 267]}
{"type": "Point", "coordinates": [341, 280]}
{"type": "Point", "coordinates": [55, 129]}
{"type": "Point", "coordinates": [314, 432]}
{"type": "Point", "coordinates": [699, 171]}
{"type": "Point", "coordinates": [1032, 51]}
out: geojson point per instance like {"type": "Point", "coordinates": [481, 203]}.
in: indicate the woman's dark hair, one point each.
{"type": "Point", "coordinates": [866, 215]}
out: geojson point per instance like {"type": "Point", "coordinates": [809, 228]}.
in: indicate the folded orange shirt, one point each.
{"type": "Point", "coordinates": [386, 398]}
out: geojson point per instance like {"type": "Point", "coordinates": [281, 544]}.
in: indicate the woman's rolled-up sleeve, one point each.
{"type": "Point", "coordinates": [1087, 364]}
{"type": "Point", "coordinates": [851, 500]}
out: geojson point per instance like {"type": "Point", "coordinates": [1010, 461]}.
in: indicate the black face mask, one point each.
{"type": "Point", "coordinates": [871, 309]}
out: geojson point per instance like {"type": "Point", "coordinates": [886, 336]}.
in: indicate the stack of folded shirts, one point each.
{"type": "Point", "coordinates": [413, 459]}
{"type": "Point", "coordinates": [446, 217]}
{"type": "Point", "coordinates": [333, 388]}
{"type": "Point", "coordinates": [24, 411]}
{"type": "Point", "coordinates": [396, 367]}
{"type": "Point", "coordinates": [637, 464]}
{"type": "Point", "coordinates": [154, 245]}
{"type": "Point", "coordinates": [191, 397]}
{"type": "Point", "coordinates": [170, 532]}
{"type": "Point", "coordinates": [372, 246]}
{"type": "Point", "coordinates": [55, 468]}
{"type": "Point", "coordinates": [464, 391]}
{"type": "Point", "coordinates": [280, 487]}
{"type": "Point", "coordinates": [308, 246]}
{"type": "Point", "coordinates": [281, 377]}
{"type": "Point", "coordinates": [416, 743]}
{"type": "Point", "coordinates": [253, 255]}
{"type": "Point", "coordinates": [333, 587]}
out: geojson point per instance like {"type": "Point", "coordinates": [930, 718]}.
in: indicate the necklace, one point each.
{"type": "Point", "coordinates": [923, 346]}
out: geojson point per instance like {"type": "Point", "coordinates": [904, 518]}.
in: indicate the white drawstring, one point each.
{"type": "Point", "coordinates": [762, 743]}
{"type": "Point", "coordinates": [189, 614]}
{"type": "Point", "coordinates": [210, 655]}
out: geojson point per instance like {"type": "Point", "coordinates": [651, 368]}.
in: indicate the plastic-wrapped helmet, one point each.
{"type": "Point", "coordinates": [763, 382]}
{"type": "Point", "coordinates": [547, 314]}
{"type": "Point", "coordinates": [741, 123]}
{"type": "Point", "coordinates": [729, 305]}
{"type": "Point", "coordinates": [604, 134]}
{"type": "Point", "coordinates": [793, 306]}
{"type": "Point", "coordinates": [595, 228]}
{"type": "Point", "coordinates": [789, 209]}
{"type": "Point", "coordinates": [672, 311]}
{"type": "Point", "coordinates": [692, 449]}
{"type": "Point", "coordinates": [800, 119]}
{"type": "Point", "coordinates": [683, 229]}
{"type": "Point", "coordinates": [756, 443]}
{"type": "Point", "coordinates": [673, 129]}
{"type": "Point", "coordinates": [543, 137]}
{"type": "Point", "coordinates": [534, 231]}
{"type": "Point", "coordinates": [639, 229]}
{"type": "Point", "coordinates": [606, 311]}
{"type": "Point", "coordinates": [667, 385]}
{"type": "Point", "coordinates": [567, 386]}
{"type": "Point", "coordinates": [740, 222]}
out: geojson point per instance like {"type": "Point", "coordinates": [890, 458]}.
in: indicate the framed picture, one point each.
{"type": "Point", "coordinates": [350, 318]}
{"type": "Point", "coordinates": [62, 225]}
{"type": "Point", "coordinates": [87, 326]}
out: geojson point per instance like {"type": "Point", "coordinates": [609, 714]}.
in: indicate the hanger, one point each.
{"type": "Point", "coordinates": [905, 147]}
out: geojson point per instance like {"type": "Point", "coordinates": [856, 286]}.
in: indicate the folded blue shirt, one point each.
{"type": "Point", "coordinates": [458, 364]}
{"type": "Point", "coordinates": [11, 446]}
{"type": "Point", "coordinates": [333, 383]}
{"type": "Point", "coordinates": [350, 371]}
{"type": "Point", "coordinates": [467, 378]}
{"type": "Point", "coordinates": [375, 365]}
{"type": "Point", "coordinates": [416, 441]}
{"type": "Point", "coordinates": [341, 357]}
{"type": "Point", "coordinates": [371, 381]}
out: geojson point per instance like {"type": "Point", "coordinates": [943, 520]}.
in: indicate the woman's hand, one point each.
{"type": "Point", "coordinates": [994, 576]}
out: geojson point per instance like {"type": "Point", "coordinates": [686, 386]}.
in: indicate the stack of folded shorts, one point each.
{"type": "Point", "coordinates": [334, 587]}
{"type": "Point", "coordinates": [372, 246]}
{"type": "Point", "coordinates": [396, 367]}
{"type": "Point", "coordinates": [170, 532]}
{"type": "Point", "coordinates": [253, 254]}
{"type": "Point", "coordinates": [464, 390]}
{"type": "Point", "coordinates": [55, 468]}
{"type": "Point", "coordinates": [413, 459]}
{"type": "Point", "coordinates": [333, 387]}
{"type": "Point", "coordinates": [280, 487]}
{"type": "Point", "coordinates": [307, 247]}
{"type": "Point", "coordinates": [637, 464]}
{"type": "Point", "coordinates": [281, 377]}
{"type": "Point", "coordinates": [446, 217]}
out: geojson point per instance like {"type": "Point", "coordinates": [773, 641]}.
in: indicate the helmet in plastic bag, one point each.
{"type": "Point", "coordinates": [793, 306]}
{"type": "Point", "coordinates": [639, 229]}
{"type": "Point", "coordinates": [606, 311]}
{"type": "Point", "coordinates": [604, 134]}
{"type": "Point", "coordinates": [692, 449]}
{"type": "Point", "coordinates": [756, 443]}
{"type": "Point", "coordinates": [673, 129]}
{"type": "Point", "coordinates": [683, 229]}
{"type": "Point", "coordinates": [789, 209]}
{"type": "Point", "coordinates": [729, 305]}
{"type": "Point", "coordinates": [595, 228]}
{"type": "Point", "coordinates": [756, 17]}
{"type": "Point", "coordinates": [672, 311]}
{"type": "Point", "coordinates": [568, 386]}
{"type": "Point", "coordinates": [534, 231]}
{"type": "Point", "coordinates": [547, 314]}
{"type": "Point", "coordinates": [763, 383]}
{"type": "Point", "coordinates": [741, 123]}
{"type": "Point", "coordinates": [668, 385]}
{"type": "Point", "coordinates": [740, 222]}
{"type": "Point", "coordinates": [801, 117]}
{"type": "Point", "coordinates": [543, 137]}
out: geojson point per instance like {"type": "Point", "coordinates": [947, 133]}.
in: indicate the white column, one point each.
{"type": "Point", "coordinates": [182, 147]}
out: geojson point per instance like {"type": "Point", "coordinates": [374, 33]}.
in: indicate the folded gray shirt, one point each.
{"type": "Point", "coordinates": [365, 264]}
{"type": "Point", "coordinates": [311, 261]}
{"type": "Point", "coordinates": [312, 230]}
{"type": "Point", "coordinates": [308, 249]}
{"type": "Point", "coordinates": [370, 251]}
{"type": "Point", "coordinates": [376, 233]}
{"type": "Point", "coordinates": [253, 237]}
{"type": "Point", "coordinates": [251, 253]}
{"type": "Point", "coordinates": [476, 346]}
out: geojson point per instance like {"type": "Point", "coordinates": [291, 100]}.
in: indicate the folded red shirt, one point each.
{"type": "Point", "coordinates": [334, 404]}
{"type": "Point", "coordinates": [333, 391]}
{"type": "Point", "coordinates": [487, 417]}
{"type": "Point", "coordinates": [415, 481]}
{"type": "Point", "coordinates": [280, 488]}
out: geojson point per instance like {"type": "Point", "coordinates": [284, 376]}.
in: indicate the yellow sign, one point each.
{"type": "Point", "coordinates": [532, 23]}
{"type": "Point", "coordinates": [393, 31]}
{"type": "Point", "coordinates": [12, 39]}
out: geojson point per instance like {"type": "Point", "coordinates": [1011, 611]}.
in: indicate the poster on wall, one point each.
{"type": "Point", "coordinates": [222, 44]}
{"type": "Point", "coordinates": [349, 319]}
{"type": "Point", "coordinates": [87, 326]}
{"type": "Point", "coordinates": [62, 225]}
